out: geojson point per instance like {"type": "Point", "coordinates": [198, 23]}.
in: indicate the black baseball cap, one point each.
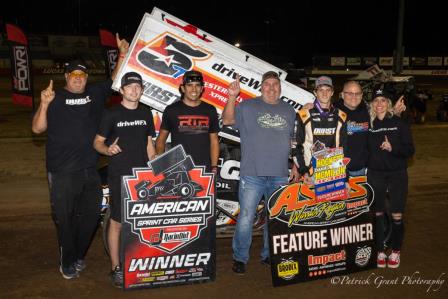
{"type": "Point", "coordinates": [382, 93]}
{"type": "Point", "coordinates": [192, 76]}
{"type": "Point", "coordinates": [131, 77]}
{"type": "Point", "coordinates": [75, 65]}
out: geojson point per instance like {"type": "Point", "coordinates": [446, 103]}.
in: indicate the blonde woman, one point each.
{"type": "Point", "coordinates": [390, 145]}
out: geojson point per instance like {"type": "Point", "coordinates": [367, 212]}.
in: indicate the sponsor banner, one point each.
{"type": "Point", "coordinates": [329, 174]}
{"type": "Point", "coordinates": [418, 61]}
{"type": "Point", "coordinates": [435, 61]}
{"type": "Point", "coordinates": [66, 41]}
{"type": "Point", "coordinates": [337, 61]}
{"type": "Point", "coordinates": [367, 61]}
{"type": "Point", "coordinates": [206, 40]}
{"type": "Point", "coordinates": [169, 234]}
{"type": "Point", "coordinates": [405, 61]}
{"type": "Point", "coordinates": [109, 44]}
{"type": "Point", "coordinates": [311, 239]}
{"type": "Point", "coordinates": [60, 70]}
{"type": "Point", "coordinates": [162, 55]}
{"type": "Point", "coordinates": [353, 61]}
{"type": "Point", "coordinates": [445, 61]}
{"type": "Point", "coordinates": [22, 83]}
{"type": "Point", "coordinates": [386, 61]}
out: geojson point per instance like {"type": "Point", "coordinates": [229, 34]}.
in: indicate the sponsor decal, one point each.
{"type": "Point", "coordinates": [363, 255]}
{"type": "Point", "coordinates": [134, 123]}
{"type": "Point", "coordinates": [287, 269]}
{"type": "Point", "coordinates": [355, 127]}
{"type": "Point", "coordinates": [77, 102]}
{"type": "Point", "coordinates": [272, 121]}
{"type": "Point", "coordinates": [21, 75]}
{"type": "Point", "coordinates": [170, 56]}
{"type": "Point", "coordinates": [296, 204]}
{"type": "Point", "coordinates": [326, 258]}
{"type": "Point", "coordinates": [168, 209]}
{"type": "Point", "coordinates": [324, 131]}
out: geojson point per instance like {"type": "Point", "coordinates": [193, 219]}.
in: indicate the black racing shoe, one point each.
{"type": "Point", "coordinates": [239, 267]}
{"type": "Point", "coordinates": [68, 272]}
{"type": "Point", "coordinates": [79, 265]}
{"type": "Point", "coordinates": [117, 277]}
{"type": "Point", "coordinates": [266, 261]}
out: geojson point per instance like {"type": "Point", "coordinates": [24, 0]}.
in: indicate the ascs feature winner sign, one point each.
{"type": "Point", "coordinates": [311, 239]}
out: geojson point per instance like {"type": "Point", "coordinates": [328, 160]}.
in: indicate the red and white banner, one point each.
{"type": "Point", "coordinates": [22, 84]}
{"type": "Point", "coordinates": [109, 44]}
{"type": "Point", "coordinates": [162, 55]}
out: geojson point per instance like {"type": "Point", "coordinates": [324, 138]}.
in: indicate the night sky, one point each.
{"type": "Point", "coordinates": [281, 30]}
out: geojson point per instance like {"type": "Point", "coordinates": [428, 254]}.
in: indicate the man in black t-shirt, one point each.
{"type": "Point", "coordinates": [71, 117]}
{"type": "Point", "coordinates": [125, 135]}
{"type": "Point", "coordinates": [192, 123]}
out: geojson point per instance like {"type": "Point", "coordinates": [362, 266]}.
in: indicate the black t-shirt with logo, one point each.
{"type": "Point", "coordinates": [73, 121]}
{"type": "Point", "coordinates": [191, 126]}
{"type": "Point", "coordinates": [132, 127]}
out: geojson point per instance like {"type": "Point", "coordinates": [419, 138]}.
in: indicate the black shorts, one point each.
{"type": "Point", "coordinates": [115, 197]}
{"type": "Point", "coordinates": [395, 183]}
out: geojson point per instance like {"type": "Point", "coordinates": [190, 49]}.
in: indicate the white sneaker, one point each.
{"type": "Point", "coordinates": [381, 260]}
{"type": "Point", "coordinates": [394, 259]}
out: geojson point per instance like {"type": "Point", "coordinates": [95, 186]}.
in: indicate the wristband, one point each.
{"type": "Point", "coordinates": [122, 55]}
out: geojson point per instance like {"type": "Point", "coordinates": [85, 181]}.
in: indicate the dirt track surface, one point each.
{"type": "Point", "coordinates": [29, 253]}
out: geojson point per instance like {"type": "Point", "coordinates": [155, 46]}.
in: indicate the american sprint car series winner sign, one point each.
{"type": "Point", "coordinates": [162, 52]}
{"type": "Point", "coordinates": [311, 239]}
{"type": "Point", "coordinates": [169, 230]}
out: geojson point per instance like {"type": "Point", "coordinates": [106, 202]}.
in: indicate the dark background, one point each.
{"type": "Point", "coordinates": [290, 31]}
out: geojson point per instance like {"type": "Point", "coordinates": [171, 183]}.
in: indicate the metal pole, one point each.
{"type": "Point", "coordinates": [79, 17]}
{"type": "Point", "coordinates": [398, 61]}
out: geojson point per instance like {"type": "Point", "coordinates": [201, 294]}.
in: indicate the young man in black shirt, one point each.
{"type": "Point", "coordinates": [125, 135]}
{"type": "Point", "coordinates": [71, 117]}
{"type": "Point", "coordinates": [192, 123]}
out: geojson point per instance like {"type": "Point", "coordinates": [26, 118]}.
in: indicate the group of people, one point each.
{"type": "Point", "coordinates": [78, 128]}
{"type": "Point", "coordinates": [373, 136]}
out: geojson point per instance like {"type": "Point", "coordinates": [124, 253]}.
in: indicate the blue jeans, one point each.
{"type": "Point", "coordinates": [251, 190]}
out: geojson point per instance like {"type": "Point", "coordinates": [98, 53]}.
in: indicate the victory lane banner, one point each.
{"type": "Point", "coordinates": [162, 54]}
{"type": "Point", "coordinates": [312, 239]}
{"type": "Point", "coordinates": [169, 223]}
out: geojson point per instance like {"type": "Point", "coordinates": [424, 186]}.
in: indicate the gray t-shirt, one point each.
{"type": "Point", "coordinates": [266, 131]}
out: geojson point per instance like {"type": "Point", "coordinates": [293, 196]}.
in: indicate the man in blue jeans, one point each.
{"type": "Point", "coordinates": [266, 125]}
